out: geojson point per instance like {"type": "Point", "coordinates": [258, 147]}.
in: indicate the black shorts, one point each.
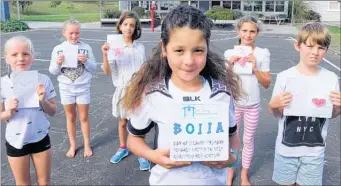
{"type": "Point", "coordinates": [30, 148]}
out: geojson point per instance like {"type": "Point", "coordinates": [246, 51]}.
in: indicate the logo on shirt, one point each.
{"type": "Point", "coordinates": [303, 131]}
{"type": "Point", "coordinates": [191, 98]}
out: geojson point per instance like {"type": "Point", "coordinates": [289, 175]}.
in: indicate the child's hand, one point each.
{"type": "Point", "coordinates": [41, 91]}
{"type": "Point", "coordinates": [162, 159]}
{"type": "Point", "coordinates": [232, 59]}
{"type": "Point", "coordinates": [12, 105]}
{"type": "Point", "coordinates": [105, 48]}
{"type": "Point", "coordinates": [282, 100]}
{"type": "Point", "coordinates": [82, 58]}
{"type": "Point", "coordinates": [252, 59]}
{"type": "Point", "coordinates": [60, 59]}
{"type": "Point", "coordinates": [335, 98]}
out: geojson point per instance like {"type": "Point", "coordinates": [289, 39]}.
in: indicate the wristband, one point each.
{"type": "Point", "coordinates": [235, 164]}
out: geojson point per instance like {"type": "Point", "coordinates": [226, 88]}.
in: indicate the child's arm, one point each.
{"type": "Point", "coordinates": [158, 156]}
{"type": "Point", "coordinates": [230, 58]}
{"type": "Point", "coordinates": [335, 97]}
{"type": "Point", "coordinates": [106, 65]}
{"type": "Point", "coordinates": [12, 107]}
{"type": "Point", "coordinates": [49, 105]}
{"type": "Point", "coordinates": [263, 74]}
{"type": "Point", "coordinates": [277, 103]}
{"type": "Point", "coordinates": [90, 62]}
{"type": "Point", "coordinates": [55, 63]}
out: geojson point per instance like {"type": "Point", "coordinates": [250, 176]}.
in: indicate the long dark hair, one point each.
{"type": "Point", "coordinates": [125, 15]}
{"type": "Point", "coordinates": [156, 68]}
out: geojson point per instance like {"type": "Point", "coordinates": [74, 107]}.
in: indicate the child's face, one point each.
{"type": "Point", "coordinates": [18, 56]}
{"type": "Point", "coordinates": [128, 27]}
{"type": "Point", "coordinates": [71, 33]}
{"type": "Point", "coordinates": [186, 53]}
{"type": "Point", "coordinates": [310, 54]}
{"type": "Point", "coordinates": [247, 33]}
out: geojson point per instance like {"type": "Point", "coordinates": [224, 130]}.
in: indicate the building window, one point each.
{"type": "Point", "coordinates": [145, 4]}
{"type": "Point", "coordinates": [258, 6]}
{"type": "Point", "coordinates": [236, 5]}
{"type": "Point", "coordinates": [227, 4]}
{"type": "Point", "coordinates": [269, 6]}
{"type": "Point", "coordinates": [164, 5]}
{"type": "Point", "coordinates": [133, 4]}
{"type": "Point", "coordinates": [333, 6]}
{"type": "Point", "coordinates": [194, 4]}
{"type": "Point", "coordinates": [247, 6]}
{"type": "Point", "coordinates": [215, 3]}
{"type": "Point", "coordinates": [280, 6]}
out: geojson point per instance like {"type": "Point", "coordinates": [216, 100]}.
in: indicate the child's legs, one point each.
{"type": "Point", "coordinates": [21, 169]}
{"type": "Point", "coordinates": [70, 113]}
{"type": "Point", "coordinates": [285, 169]}
{"type": "Point", "coordinates": [42, 164]}
{"type": "Point", "coordinates": [83, 114]}
{"type": "Point", "coordinates": [310, 171]}
{"type": "Point", "coordinates": [122, 131]}
{"type": "Point", "coordinates": [251, 115]}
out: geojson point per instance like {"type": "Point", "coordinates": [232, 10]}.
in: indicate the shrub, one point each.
{"type": "Point", "coordinates": [236, 14]}
{"type": "Point", "coordinates": [219, 13]}
{"type": "Point", "coordinates": [112, 14]}
{"type": "Point", "coordinates": [139, 11]}
{"type": "Point", "coordinates": [311, 15]}
{"type": "Point", "coordinates": [13, 26]}
{"type": "Point", "coordinates": [54, 4]}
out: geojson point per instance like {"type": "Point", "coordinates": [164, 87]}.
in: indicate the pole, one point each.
{"type": "Point", "coordinates": [18, 11]}
{"type": "Point", "coordinates": [152, 16]}
{"type": "Point", "coordinates": [292, 13]}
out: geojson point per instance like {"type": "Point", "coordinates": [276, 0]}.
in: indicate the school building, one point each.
{"type": "Point", "coordinates": [262, 7]}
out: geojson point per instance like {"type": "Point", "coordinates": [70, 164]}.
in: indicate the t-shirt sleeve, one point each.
{"type": "Point", "coordinates": [279, 85]}
{"type": "Point", "coordinates": [139, 121]}
{"type": "Point", "coordinates": [265, 65]}
{"type": "Point", "coordinates": [228, 53]}
{"type": "Point", "coordinates": [50, 91]}
{"type": "Point", "coordinates": [232, 118]}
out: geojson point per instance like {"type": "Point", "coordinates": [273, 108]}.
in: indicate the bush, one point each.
{"type": "Point", "coordinates": [311, 15]}
{"type": "Point", "coordinates": [219, 13]}
{"type": "Point", "coordinates": [236, 14]}
{"type": "Point", "coordinates": [54, 4]}
{"type": "Point", "coordinates": [139, 11]}
{"type": "Point", "coordinates": [112, 14]}
{"type": "Point", "coordinates": [13, 26]}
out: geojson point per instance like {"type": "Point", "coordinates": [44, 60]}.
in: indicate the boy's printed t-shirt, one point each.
{"type": "Point", "coordinates": [27, 125]}
{"type": "Point", "coordinates": [154, 112]}
{"type": "Point", "coordinates": [300, 135]}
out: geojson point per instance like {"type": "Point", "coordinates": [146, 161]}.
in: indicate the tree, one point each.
{"type": "Point", "coordinates": [54, 4]}
{"type": "Point", "coordinates": [23, 5]}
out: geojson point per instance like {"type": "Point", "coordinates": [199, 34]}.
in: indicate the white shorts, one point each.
{"type": "Point", "coordinates": [71, 95]}
{"type": "Point", "coordinates": [117, 110]}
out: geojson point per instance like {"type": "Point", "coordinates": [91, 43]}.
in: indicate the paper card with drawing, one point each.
{"type": "Point", "coordinates": [243, 66]}
{"type": "Point", "coordinates": [116, 44]}
{"type": "Point", "coordinates": [310, 97]}
{"type": "Point", "coordinates": [24, 87]}
{"type": "Point", "coordinates": [200, 132]}
{"type": "Point", "coordinates": [70, 53]}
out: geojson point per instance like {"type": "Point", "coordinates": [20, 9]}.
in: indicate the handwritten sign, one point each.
{"type": "Point", "coordinates": [115, 44]}
{"type": "Point", "coordinates": [310, 97]}
{"type": "Point", "coordinates": [200, 132]}
{"type": "Point", "coordinates": [242, 66]}
{"type": "Point", "coordinates": [70, 55]}
{"type": "Point", "coordinates": [24, 87]}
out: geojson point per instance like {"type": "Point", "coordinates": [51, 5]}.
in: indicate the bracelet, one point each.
{"type": "Point", "coordinates": [235, 164]}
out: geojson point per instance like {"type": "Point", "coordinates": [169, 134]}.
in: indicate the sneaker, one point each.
{"type": "Point", "coordinates": [120, 154]}
{"type": "Point", "coordinates": [144, 164]}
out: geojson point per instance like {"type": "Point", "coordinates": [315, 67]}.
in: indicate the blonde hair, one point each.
{"type": "Point", "coordinates": [71, 21]}
{"type": "Point", "coordinates": [21, 38]}
{"type": "Point", "coordinates": [315, 33]}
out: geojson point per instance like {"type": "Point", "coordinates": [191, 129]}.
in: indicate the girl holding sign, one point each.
{"type": "Point", "coordinates": [182, 71]}
{"type": "Point", "coordinates": [124, 62]}
{"type": "Point", "coordinates": [27, 127]}
{"type": "Point", "coordinates": [253, 68]}
{"type": "Point", "coordinates": [74, 63]}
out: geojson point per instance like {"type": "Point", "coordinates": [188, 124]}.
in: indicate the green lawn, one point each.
{"type": "Point", "coordinates": [335, 42]}
{"type": "Point", "coordinates": [82, 11]}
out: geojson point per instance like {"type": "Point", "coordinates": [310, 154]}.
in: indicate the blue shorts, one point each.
{"type": "Point", "coordinates": [306, 170]}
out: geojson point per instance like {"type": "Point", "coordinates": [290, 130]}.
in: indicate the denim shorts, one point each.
{"type": "Point", "coordinates": [305, 170]}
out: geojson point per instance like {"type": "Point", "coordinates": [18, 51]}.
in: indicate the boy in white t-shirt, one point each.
{"type": "Point", "coordinates": [299, 154]}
